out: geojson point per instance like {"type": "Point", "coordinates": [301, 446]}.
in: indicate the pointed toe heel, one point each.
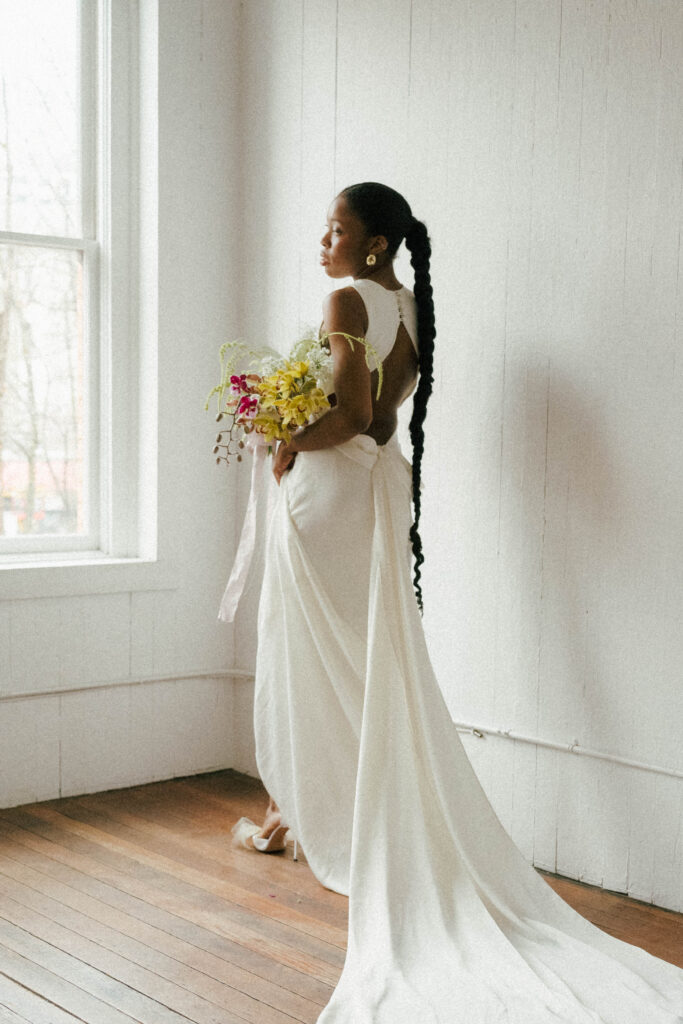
{"type": "Point", "coordinates": [272, 843]}
{"type": "Point", "coordinates": [245, 834]}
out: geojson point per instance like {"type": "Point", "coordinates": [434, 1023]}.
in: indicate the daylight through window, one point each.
{"type": "Point", "coordinates": [47, 257]}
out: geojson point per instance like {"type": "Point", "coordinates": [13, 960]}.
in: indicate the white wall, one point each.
{"type": "Point", "coordinates": [541, 143]}
{"type": "Point", "coordinates": [129, 685]}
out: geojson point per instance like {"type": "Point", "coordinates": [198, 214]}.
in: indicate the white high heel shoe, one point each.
{"type": "Point", "coordinates": [244, 833]}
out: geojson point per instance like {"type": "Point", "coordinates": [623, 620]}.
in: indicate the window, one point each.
{"type": "Point", "coordinates": [67, 278]}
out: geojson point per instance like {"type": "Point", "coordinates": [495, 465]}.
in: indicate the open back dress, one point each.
{"type": "Point", "coordinates": [448, 922]}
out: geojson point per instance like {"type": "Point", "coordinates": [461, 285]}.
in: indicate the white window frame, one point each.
{"type": "Point", "coordinates": [120, 553]}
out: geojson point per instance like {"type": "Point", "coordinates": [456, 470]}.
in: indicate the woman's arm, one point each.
{"type": "Point", "coordinates": [352, 413]}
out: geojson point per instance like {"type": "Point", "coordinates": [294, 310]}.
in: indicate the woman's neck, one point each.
{"type": "Point", "coordinates": [384, 276]}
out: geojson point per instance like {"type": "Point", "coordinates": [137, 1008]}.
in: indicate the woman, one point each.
{"type": "Point", "coordinates": [448, 923]}
{"type": "Point", "coordinates": [346, 253]}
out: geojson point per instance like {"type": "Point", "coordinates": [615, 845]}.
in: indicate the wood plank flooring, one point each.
{"type": "Point", "coordinates": [133, 906]}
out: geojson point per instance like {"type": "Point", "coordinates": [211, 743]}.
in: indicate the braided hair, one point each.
{"type": "Point", "coordinates": [383, 211]}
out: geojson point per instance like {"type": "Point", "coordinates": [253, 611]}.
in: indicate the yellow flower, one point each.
{"type": "Point", "coordinates": [289, 397]}
{"type": "Point", "coordinates": [270, 426]}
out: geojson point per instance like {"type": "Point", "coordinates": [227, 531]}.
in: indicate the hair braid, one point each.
{"type": "Point", "coordinates": [417, 242]}
{"type": "Point", "coordinates": [384, 211]}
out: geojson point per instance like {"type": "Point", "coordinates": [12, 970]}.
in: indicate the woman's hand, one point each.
{"type": "Point", "coordinates": [282, 460]}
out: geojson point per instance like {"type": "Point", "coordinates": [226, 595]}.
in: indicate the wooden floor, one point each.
{"type": "Point", "coordinates": [132, 905]}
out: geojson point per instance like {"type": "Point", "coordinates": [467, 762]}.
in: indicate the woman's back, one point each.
{"type": "Point", "coordinates": [390, 327]}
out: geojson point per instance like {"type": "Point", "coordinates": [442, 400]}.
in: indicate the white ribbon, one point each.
{"type": "Point", "coordinates": [255, 521]}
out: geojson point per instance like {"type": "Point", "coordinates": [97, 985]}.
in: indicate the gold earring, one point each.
{"type": "Point", "coordinates": [371, 259]}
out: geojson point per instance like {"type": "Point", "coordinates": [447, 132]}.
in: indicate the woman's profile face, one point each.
{"type": "Point", "coordinates": [345, 242]}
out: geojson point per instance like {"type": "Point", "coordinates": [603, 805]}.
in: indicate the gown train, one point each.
{"type": "Point", "coordinates": [448, 922]}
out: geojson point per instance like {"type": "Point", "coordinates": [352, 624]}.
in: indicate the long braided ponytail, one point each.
{"type": "Point", "coordinates": [417, 242]}
{"type": "Point", "coordinates": [384, 211]}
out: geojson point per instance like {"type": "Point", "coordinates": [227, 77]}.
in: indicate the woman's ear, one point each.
{"type": "Point", "coordinates": [378, 245]}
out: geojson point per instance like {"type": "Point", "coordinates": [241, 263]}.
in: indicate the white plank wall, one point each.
{"type": "Point", "coordinates": [540, 141]}
{"type": "Point", "coordinates": [112, 689]}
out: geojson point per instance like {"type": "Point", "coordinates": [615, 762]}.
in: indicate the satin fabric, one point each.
{"type": "Point", "coordinates": [448, 923]}
{"type": "Point", "coordinates": [248, 563]}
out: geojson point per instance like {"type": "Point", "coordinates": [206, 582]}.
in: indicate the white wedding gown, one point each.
{"type": "Point", "coordinates": [448, 922]}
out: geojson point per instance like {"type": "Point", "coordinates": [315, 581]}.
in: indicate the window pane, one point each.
{"type": "Point", "coordinates": [42, 453]}
{"type": "Point", "coordinates": [40, 117]}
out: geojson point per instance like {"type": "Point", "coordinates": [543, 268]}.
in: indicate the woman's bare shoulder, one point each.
{"type": "Point", "coordinates": [344, 304]}
{"type": "Point", "coordinates": [343, 298]}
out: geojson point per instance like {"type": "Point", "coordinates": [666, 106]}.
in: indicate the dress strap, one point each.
{"type": "Point", "coordinates": [386, 310]}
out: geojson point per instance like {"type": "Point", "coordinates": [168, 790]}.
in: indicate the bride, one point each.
{"type": "Point", "coordinates": [448, 922]}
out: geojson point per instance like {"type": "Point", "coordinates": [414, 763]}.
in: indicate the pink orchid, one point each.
{"type": "Point", "coordinates": [248, 407]}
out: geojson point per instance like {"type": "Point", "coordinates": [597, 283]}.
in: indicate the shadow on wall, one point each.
{"type": "Point", "coordinates": [563, 506]}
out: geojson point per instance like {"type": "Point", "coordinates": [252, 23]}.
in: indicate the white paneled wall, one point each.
{"type": "Point", "coordinates": [541, 143]}
{"type": "Point", "coordinates": [99, 690]}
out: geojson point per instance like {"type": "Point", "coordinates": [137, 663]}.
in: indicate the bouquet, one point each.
{"type": "Point", "coordinates": [273, 395]}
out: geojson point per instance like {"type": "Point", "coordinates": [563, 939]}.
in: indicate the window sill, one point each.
{"type": "Point", "coordinates": [87, 572]}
